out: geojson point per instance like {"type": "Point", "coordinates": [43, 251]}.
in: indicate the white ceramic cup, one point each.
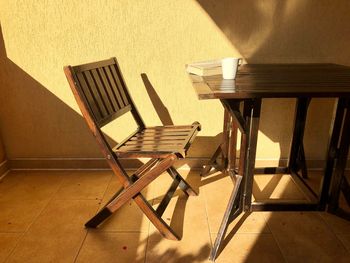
{"type": "Point", "coordinates": [229, 67]}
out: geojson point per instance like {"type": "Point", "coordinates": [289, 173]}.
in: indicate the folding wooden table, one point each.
{"type": "Point", "coordinates": [255, 82]}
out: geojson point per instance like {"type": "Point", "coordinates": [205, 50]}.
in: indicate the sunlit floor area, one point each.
{"type": "Point", "coordinates": [42, 216]}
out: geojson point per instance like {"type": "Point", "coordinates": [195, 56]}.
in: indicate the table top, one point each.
{"type": "Point", "coordinates": [277, 81]}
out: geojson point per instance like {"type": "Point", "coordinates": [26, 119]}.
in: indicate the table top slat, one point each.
{"type": "Point", "coordinates": [277, 81]}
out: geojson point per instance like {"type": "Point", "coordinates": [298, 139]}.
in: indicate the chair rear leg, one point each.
{"type": "Point", "coordinates": [184, 186]}
{"type": "Point", "coordinates": [156, 220]}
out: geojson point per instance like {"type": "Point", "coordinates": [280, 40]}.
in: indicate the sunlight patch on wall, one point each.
{"type": "Point", "coordinates": [157, 38]}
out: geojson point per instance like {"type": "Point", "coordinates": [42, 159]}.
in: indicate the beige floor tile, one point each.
{"type": "Point", "coordinates": [305, 236]}
{"type": "Point", "coordinates": [30, 185]}
{"type": "Point", "coordinates": [314, 179]}
{"type": "Point", "coordinates": [188, 220]}
{"type": "Point", "coordinates": [110, 247]}
{"type": "Point", "coordinates": [191, 248]}
{"type": "Point", "coordinates": [57, 234]}
{"type": "Point", "coordinates": [7, 244]}
{"type": "Point", "coordinates": [114, 186]}
{"type": "Point", "coordinates": [184, 213]}
{"type": "Point", "coordinates": [84, 185]}
{"type": "Point", "coordinates": [276, 186]}
{"type": "Point", "coordinates": [217, 195]}
{"type": "Point", "coordinates": [217, 189]}
{"type": "Point", "coordinates": [128, 218]}
{"type": "Point", "coordinates": [17, 215]}
{"type": "Point", "coordinates": [250, 248]}
{"type": "Point", "coordinates": [161, 185]}
{"type": "Point", "coordinates": [253, 223]}
{"type": "Point", "coordinates": [336, 223]}
{"type": "Point", "coordinates": [345, 239]}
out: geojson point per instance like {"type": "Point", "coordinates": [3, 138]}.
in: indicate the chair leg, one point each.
{"type": "Point", "coordinates": [124, 195]}
{"type": "Point", "coordinates": [156, 220]}
{"type": "Point", "coordinates": [184, 186]}
{"type": "Point", "coordinates": [103, 214]}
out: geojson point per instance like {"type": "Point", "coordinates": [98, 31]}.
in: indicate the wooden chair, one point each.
{"type": "Point", "coordinates": [100, 91]}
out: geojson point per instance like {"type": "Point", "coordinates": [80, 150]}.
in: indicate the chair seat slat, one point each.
{"type": "Point", "coordinates": [155, 142]}
{"type": "Point", "coordinates": [167, 148]}
{"type": "Point", "coordinates": [152, 138]}
{"type": "Point", "coordinates": [161, 137]}
{"type": "Point", "coordinates": [172, 129]}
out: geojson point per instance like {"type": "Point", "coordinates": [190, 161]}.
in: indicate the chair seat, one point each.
{"type": "Point", "coordinates": [158, 142]}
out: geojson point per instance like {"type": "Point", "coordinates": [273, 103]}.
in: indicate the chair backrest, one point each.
{"type": "Point", "coordinates": [102, 96]}
{"type": "Point", "coordinates": [103, 90]}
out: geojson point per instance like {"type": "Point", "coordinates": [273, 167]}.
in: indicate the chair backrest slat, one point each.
{"type": "Point", "coordinates": [103, 87]}
{"type": "Point", "coordinates": [111, 96]}
{"type": "Point", "coordinates": [114, 86]}
{"type": "Point", "coordinates": [90, 98]}
{"type": "Point", "coordinates": [121, 86]}
{"type": "Point", "coordinates": [105, 97]}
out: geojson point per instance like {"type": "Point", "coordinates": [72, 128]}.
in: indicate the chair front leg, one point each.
{"type": "Point", "coordinates": [132, 190]}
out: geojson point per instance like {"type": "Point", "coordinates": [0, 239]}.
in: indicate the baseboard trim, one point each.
{"type": "Point", "coordinates": [4, 168]}
{"type": "Point", "coordinates": [101, 164]}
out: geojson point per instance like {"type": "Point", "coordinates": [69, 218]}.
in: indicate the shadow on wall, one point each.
{"type": "Point", "coordinates": [20, 92]}
{"type": "Point", "coordinates": [284, 31]}
{"type": "Point", "coordinates": [203, 145]}
{"type": "Point", "coordinates": [287, 32]}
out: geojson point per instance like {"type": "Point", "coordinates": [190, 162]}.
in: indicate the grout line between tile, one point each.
{"type": "Point", "coordinates": [147, 242]}
{"type": "Point", "coordinates": [35, 218]}
{"type": "Point", "coordinates": [274, 238]}
{"type": "Point", "coordinates": [331, 230]}
{"type": "Point", "coordinates": [207, 218]}
{"type": "Point", "coordinates": [98, 208]}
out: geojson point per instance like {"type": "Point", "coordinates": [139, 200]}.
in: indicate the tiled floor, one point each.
{"type": "Point", "coordinates": [42, 216]}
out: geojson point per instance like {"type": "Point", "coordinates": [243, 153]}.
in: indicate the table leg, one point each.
{"type": "Point", "coordinates": [252, 127]}
{"type": "Point", "coordinates": [297, 155]}
{"type": "Point", "coordinates": [234, 206]}
{"type": "Point", "coordinates": [233, 210]}
{"type": "Point", "coordinates": [332, 152]}
{"type": "Point", "coordinates": [232, 147]}
{"type": "Point", "coordinates": [226, 140]}
{"type": "Point", "coordinates": [338, 175]}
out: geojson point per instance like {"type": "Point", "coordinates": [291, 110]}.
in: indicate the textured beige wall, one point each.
{"type": "Point", "coordinates": [38, 114]}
